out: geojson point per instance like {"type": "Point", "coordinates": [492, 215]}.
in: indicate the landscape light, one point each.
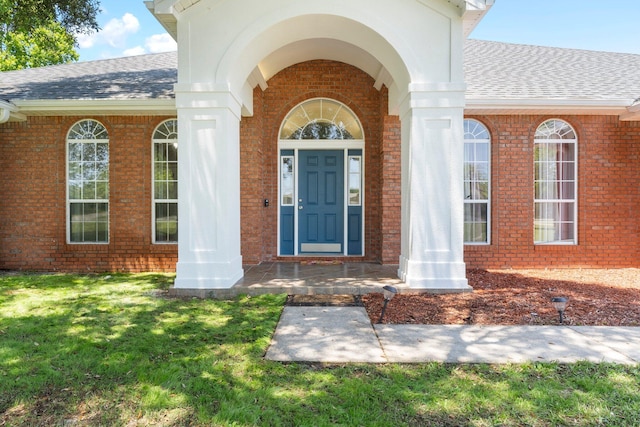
{"type": "Point", "coordinates": [560, 303]}
{"type": "Point", "coordinates": [388, 293]}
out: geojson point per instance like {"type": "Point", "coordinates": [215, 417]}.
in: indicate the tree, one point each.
{"type": "Point", "coordinates": [45, 45]}
{"type": "Point", "coordinates": [34, 33]}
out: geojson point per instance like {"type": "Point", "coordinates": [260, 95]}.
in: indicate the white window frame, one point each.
{"type": "Point", "coordinates": [86, 131]}
{"type": "Point", "coordinates": [164, 133]}
{"type": "Point", "coordinates": [477, 134]}
{"type": "Point", "coordinates": [354, 177]}
{"type": "Point", "coordinates": [554, 132]}
{"type": "Point", "coordinates": [281, 172]}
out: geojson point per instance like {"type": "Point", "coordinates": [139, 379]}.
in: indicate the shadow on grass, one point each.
{"type": "Point", "coordinates": [111, 350]}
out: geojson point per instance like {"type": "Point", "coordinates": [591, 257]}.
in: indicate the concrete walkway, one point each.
{"type": "Point", "coordinates": [345, 334]}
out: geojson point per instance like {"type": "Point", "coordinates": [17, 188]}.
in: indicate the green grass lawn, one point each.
{"type": "Point", "coordinates": [112, 350]}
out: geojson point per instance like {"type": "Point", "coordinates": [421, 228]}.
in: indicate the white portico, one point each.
{"type": "Point", "coordinates": [228, 48]}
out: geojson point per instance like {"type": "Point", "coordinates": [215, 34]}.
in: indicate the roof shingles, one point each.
{"type": "Point", "coordinates": [494, 70]}
{"type": "Point", "coordinates": [510, 71]}
{"type": "Point", "coordinates": [136, 77]}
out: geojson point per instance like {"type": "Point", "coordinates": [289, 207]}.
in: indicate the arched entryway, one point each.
{"type": "Point", "coordinates": [228, 50]}
{"type": "Point", "coordinates": [321, 179]}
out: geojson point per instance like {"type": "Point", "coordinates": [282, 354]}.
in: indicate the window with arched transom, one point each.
{"type": "Point", "coordinates": [88, 182]}
{"type": "Point", "coordinates": [165, 182]}
{"type": "Point", "coordinates": [555, 183]}
{"type": "Point", "coordinates": [477, 182]}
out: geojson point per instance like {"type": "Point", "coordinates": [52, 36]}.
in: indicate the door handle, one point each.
{"type": "Point", "coordinates": [300, 207]}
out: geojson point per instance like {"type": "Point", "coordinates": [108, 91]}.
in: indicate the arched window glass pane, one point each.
{"type": "Point", "coordinates": [555, 129]}
{"type": "Point", "coordinates": [167, 130]}
{"type": "Point", "coordinates": [165, 182]}
{"type": "Point", "coordinates": [88, 129]}
{"type": "Point", "coordinates": [555, 183]}
{"type": "Point", "coordinates": [88, 182]}
{"type": "Point", "coordinates": [477, 182]}
{"type": "Point", "coordinates": [321, 119]}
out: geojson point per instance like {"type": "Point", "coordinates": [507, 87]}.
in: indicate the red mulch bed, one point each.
{"type": "Point", "coordinates": [608, 297]}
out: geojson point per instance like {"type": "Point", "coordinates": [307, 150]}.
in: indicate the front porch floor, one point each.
{"type": "Point", "coordinates": [309, 278]}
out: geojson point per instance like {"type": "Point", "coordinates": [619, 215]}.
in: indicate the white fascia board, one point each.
{"type": "Point", "coordinates": [163, 12]}
{"type": "Point", "coordinates": [125, 107]}
{"type": "Point", "coordinates": [542, 106]}
{"type": "Point", "coordinates": [182, 5]}
{"type": "Point", "coordinates": [632, 114]}
{"type": "Point", "coordinates": [474, 11]}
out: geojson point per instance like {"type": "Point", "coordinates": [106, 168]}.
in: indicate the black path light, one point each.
{"type": "Point", "coordinates": [388, 292]}
{"type": "Point", "coordinates": [560, 303]}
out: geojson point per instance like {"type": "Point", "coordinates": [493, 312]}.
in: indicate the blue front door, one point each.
{"type": "Point", "coordinates": [321, 202]}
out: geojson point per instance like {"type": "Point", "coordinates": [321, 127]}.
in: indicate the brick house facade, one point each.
{"type": "Point", "coordinates": [32, 161]}
{"type": "Point", "coordinates": [34, 164]}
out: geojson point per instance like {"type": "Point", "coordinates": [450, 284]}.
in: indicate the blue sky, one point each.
{"type": "Point", "coordinates": [608, 25]}
{"type": "Point", "coordinates": [128, 28]}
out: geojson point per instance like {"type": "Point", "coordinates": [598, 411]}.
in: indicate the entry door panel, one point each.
{"type": "Point", "coordinates": [321, 201]}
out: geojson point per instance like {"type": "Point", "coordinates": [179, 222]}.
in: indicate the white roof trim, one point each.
{"type": "Point", "coordinates": [9, 112]}
{"type": "Point", "coordinates": [546, 106]}
{"type": "Point", "coordinates": [474, 11]}
{"type": "Point", "coordinates": [66, 107]}
{"type": "Point", "coordinates": [632, 114]}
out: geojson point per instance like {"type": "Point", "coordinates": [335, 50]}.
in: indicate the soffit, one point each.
{"type": "Point", "coordinates": [322, 48]}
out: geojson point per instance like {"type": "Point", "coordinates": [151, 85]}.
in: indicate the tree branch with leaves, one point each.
{"type": "Point", "coordinates": [35, 33]}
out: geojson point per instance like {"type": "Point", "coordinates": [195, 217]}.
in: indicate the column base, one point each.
{"type": "Point", "coordinates": [208, 275]}
{"type": "Point", "coordinates": [441, 276]}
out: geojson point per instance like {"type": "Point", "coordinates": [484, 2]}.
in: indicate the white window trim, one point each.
{"type": "Point", "coordinates": [153, 185]}
{"type": "Point", "coordinates": [489, 172]}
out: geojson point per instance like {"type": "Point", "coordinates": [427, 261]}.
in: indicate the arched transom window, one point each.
{"type": "Point", "coordinates": [321, 118]}
{"type": "Point", "coordinates": [555, 187]}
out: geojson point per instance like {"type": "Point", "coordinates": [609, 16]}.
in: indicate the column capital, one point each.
{"type": "Point", "coordinates": [207, 96]}
{"type": "Point", "coordinates": [433, 96]}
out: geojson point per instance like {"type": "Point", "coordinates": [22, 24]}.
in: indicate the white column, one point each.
{"type": "Point", "coordinates": [432, 191]}
{"type": "Point", "coordinates": [208, 188]}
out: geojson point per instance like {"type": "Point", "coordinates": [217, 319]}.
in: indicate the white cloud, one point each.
{"type": "Point", "coordinates": [160, 43]}
{"type": "Point", "coordinates": [86, 41]}
{"type": "Point", "coordinates": [138, 50]}
{"type": "Point", "coordinates": [114, 33]}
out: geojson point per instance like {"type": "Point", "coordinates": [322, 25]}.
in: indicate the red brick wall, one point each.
{"type": "Point", "coordinates": [33, 196]}
{"type": "Point", "coordinates": [33, 199]}
{"type": "Point", "coordinates": [391, 188]}
{"type": "Point", "coordinates": [287, 89]}
{"type": "Point", "coordinates": [608, 196]}
{"type": "Point", "coordinates": [252, 188]}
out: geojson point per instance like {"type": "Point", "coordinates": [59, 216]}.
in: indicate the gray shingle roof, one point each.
{"type": "Point", "coordinates": [494, 70]}
{"type": "Point", "coordinates": [497, 70]}
{"type": "Point", "coordinates": [136, 77]}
